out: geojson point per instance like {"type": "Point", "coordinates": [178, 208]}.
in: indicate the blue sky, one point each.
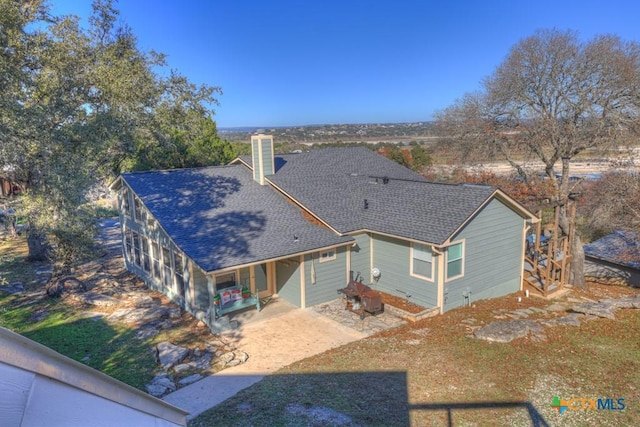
{"type": "Point", "coordinates": [286, 62]}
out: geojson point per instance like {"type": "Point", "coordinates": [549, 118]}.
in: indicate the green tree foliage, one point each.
{"type": "Point", "coordinates": [80, 105]}
{"type": "Point", "coordinates": [421, 158]}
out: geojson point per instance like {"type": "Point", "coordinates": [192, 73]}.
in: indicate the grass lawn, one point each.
{"type": "Point", "coordinates": [107, 347]}
{"type": "Point", "coordinates": [432, 373]}
{"type": "Point", "coordinates": [75, 330]}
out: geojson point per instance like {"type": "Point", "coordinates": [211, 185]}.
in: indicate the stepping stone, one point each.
{"type": "Point", "coordinates": [507, 331]}
{"type": "Point", "coordinates": [595, 309]}
{"type": "Point", "coordinates": [556, 306]}
{"type": "Point", "coordinates": [572, 319]}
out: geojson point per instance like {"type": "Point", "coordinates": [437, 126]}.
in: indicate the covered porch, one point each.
{"type": "Point", "coordinates": [302, 280]}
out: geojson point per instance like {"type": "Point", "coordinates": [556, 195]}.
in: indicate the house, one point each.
{"type": "Point", "coordinates": [39, 386]}
{"type": "Point", "coordinates": [615, 257]}
{"type": "Point", "coordinates": [300, 225]}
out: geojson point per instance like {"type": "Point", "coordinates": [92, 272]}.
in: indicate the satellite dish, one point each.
{"type": "Point", "coordinates": [375, 272]}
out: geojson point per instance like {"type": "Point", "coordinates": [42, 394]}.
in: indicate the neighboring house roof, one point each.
{"type": "Point", "coordinates": [40, 386]}
{"type": "Point", "coordinates": [334, 183]}
{"type": "Point", "coordinates": [620, 247]}
{"type": "Point", "coordinates": [220, 217]}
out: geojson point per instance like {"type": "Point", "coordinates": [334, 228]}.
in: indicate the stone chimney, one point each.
{"type": "Point", "coordinates": [262, 157]}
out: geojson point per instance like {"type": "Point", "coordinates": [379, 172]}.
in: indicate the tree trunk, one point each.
{"type": "Point", "coordinates": [576, 276]}
{"type": "Point", "coordinates": [576, 272]}
{"type": "Point", "coordinates": [37, 244]}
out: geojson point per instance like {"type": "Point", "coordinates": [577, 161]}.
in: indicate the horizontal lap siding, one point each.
{"type": "Point", "coordinates": [330, 276]}
{"type": "Point", "coordinates": [361, 256]}
{"type": "Point", "coordinates": [492, 258]}
{"type": "Point", "coordinates": [391, 257]}
{"type": "Point", "coordinates": [201, 290]}
{"type": "Point", "coordinates": [288, 280]}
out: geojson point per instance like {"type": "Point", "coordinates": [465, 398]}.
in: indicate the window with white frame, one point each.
{"type": "Point", "coordinates": [179, 273]}
{"type": "Point", "coordinates": [225, 280]}
{"type": "Point", "coordinates": [137, 208]}
{"type": "Point", "coordinates": [166, 261]}
{"type": "Point", "coordinates": [125, 201]}
{"type": "Point", "coordinates": [146, 264]}
{"type": "Point", "coordinates": [329, 255]}
{"type": "Point", "coordinates": [421, 261]}
{"type": "Point", "coordinates": [136, 248]}
{"type": "Point", "coordinates": [455, 261]}
{"type": "Point", "coordinates": [128, 249]}
{"type": "Point", "coordinates": [156, 259]}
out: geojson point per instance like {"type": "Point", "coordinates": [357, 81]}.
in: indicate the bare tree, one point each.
{"type": "Point", "coordinates": [551, 99]}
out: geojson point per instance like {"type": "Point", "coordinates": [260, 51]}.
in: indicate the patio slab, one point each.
{"type": "Point", "coordinates": [277, 336]}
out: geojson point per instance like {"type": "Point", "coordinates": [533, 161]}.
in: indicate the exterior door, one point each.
{"type": "Point", "coordinates": [261, 281]}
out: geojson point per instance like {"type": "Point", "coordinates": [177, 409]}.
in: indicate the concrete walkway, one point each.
{"type": "Point", "coordinates": [277, 336]}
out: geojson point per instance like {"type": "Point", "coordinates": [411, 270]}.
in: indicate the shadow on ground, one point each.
{"type": "Point", "coordinates": [350, 399]}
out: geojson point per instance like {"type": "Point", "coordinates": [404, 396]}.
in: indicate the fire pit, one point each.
{"type": "Point", "coordinates": [362, 298]}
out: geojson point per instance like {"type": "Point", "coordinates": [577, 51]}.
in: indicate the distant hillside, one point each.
{"type": "Point", "coordinates": [318, 134]}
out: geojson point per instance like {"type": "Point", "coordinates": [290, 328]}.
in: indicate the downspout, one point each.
{"type": "Point", "coordinates": [439, 277]}
{"type": "Point", "coordinates": [525, 230]}
{"type": "Point", "coordinates": [303, 285]}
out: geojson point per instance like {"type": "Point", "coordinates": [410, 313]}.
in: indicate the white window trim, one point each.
{"type": "Point", "coordinates": [236, 278]}
{"type": "Point", "coordinates": [446, 260]}
{"type": "Point", "coordinates": [419, 276]}
{"type": "Point", "coordinates": [327, 258]}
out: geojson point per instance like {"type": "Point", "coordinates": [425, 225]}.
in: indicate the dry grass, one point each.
{"type": "Point", "coordinates": [427, 371]}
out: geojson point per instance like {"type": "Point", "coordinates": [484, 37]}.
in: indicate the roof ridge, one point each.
{"type": "Point", "coordinates": [179, 169]}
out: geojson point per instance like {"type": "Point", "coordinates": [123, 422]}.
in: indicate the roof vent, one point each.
{"type": "Point", "coordinates": [366, 204]}
{"type": "Point", "coordinates": [385, 180]}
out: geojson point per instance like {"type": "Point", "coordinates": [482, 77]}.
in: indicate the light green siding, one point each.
{"type": "Point", "coordinates": [391, 257]}
{"type": "Point", "coordinates": [288, 280]}
{"type": "Point", "coordinates": [202, 300]}
{"type": "Point", "coordinates": [329, 277]}
{"type": "Point", "coordinates": [267, 157]}
{"type": "Point", "coordinates": [255, 157]}
{"type": "Point", "coordinates": [361, 256]}
{"type": "Point", "coordinates": [493, 250]}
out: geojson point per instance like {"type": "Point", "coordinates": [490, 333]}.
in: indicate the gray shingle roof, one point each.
{"type": "Point", "coordinates": [620, 247]}
{"type": "Point", "coordinates": [221, 218]}
{"type": "Point", "coordinates": [334, 183]}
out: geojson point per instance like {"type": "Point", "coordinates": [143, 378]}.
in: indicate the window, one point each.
{"type": "Point", "coordinates": [136, 248]}
{"type": "Point", "coordinates": [156, 259]}
{"type": "Point", "coordinates": [125, 201]}
{"type": "Point", "coordinates": [455, 261]}
{"type": "Point", "coordinates": [225, 280]}
{"type": "Point", "coordinates": [421, 261]}
{"type": "Point", "coordinates": [145, 254]}
{"type": "Point", "coordinates": [137, 206]}
{"type": "Point", "coordinates": [328, 255]}
{"type": "Point", "coordinates": [128, 249]}
{"type": "Point", "coordinates": [179, 273]}
{"type": "Point", "coordinates": [166, 260]}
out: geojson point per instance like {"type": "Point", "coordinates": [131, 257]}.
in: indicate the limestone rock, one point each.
{"type": "Point", "coordinates": [189, 380]}
{"type": "Point", "coordinates": [227, 357]}
{"type": "Point", "coordinates": [96, 299]}
{"type": "Point", "coordinates": [507, 331]}
{"type": "Point", "coordinates": [170, 354]}
{"type": "Point", "coordinates": [596, 309]}
{"type": "Point", "coordinates": [160, 385]}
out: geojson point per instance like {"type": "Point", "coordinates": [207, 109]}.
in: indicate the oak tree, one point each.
{"type": "Point", "coordinates": [551, 99]}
